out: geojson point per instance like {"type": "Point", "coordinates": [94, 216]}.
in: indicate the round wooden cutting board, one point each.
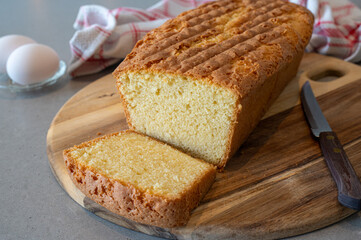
{"type": "Point", "coordinates": [277, 185]}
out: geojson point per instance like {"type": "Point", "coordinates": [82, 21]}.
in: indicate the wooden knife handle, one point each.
{"type": "Point", "coordinates": [348, 184]}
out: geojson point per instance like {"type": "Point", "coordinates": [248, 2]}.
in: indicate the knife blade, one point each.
{"type": "Point", "coordinates": [347, 182]}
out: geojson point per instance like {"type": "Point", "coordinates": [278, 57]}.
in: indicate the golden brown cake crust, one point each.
{"type": "Point", "coordinates": [243, 45]}
{"type": "Point", "coordinates": [223, 42]}
{"type": "Point", "coordinates": [129, 201]}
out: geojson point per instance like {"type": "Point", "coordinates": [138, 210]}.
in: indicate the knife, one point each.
{"type": "Point", "coordinates": [348, 184]}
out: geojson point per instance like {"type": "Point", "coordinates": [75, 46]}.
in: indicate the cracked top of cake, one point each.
{"type": "Point", "coordinates": [233, 43]}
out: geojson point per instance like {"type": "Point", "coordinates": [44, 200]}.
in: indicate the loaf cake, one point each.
{"type": "Point", "coordinates": [202, 81]}
{"type": "Point", "coordinates": [140, 178]}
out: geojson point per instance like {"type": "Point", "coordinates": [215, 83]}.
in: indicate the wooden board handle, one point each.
{"type": "Point", "coordinates": [348, 184]}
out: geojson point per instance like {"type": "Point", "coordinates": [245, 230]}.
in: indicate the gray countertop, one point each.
{"type": "Point", "coordinates": [33, 205]}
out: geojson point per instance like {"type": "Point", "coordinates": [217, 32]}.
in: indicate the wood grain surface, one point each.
{"type": "Point", "coordinates": [277, 185]}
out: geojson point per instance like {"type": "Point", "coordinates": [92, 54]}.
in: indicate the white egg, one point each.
{"type": "Point", "coordinates": [8, 44]}
{"type": "Point", "coordinates": [32, 63]}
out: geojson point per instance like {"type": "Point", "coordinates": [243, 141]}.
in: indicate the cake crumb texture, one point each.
{"type": "Point", "coordinates": [202, 81]}
{"type": "Point", "coordinates": [139, 177]}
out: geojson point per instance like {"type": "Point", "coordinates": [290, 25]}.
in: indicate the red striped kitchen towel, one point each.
{"type": "Point", "coordinates": [105, 36]}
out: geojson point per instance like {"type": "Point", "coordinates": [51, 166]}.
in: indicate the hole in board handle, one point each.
{"type": "Point", "coordinates": [327, 76]}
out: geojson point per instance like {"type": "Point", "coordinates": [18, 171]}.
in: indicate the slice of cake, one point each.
{"type": "Point", "coordinates": [202, 81]}
{"type": "Point", "coordinates": [139, 177]}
